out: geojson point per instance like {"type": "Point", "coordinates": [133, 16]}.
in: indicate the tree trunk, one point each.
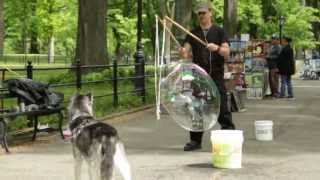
{"type": "Point", "coordinates": [183, 12]}
{"type": "Point", "coordinates": [230, 17]}
{"type": "Point", "coordinates": [126, 8]}
{"type": "Point", "coordinates": [1, 29]}
{"type": "Point", "coordinates": [91, 35]}
{"type": "Point", "coordinates": [51, 49]}
{"type": "Point", "coordinates": [106, 47]}
{"type": "Point", "coordinates": [118, 44]}
{"type": "Point", "coordinates": [34, 48]}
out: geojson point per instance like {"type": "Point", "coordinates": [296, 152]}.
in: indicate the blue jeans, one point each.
{"type": "Point", "coordinates": [286, 85]}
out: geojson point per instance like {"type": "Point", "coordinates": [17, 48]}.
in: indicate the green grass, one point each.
{"type": "Point", "coordinates": [41, 59]}
{"type": "Point", "coordinates": [102, 105]}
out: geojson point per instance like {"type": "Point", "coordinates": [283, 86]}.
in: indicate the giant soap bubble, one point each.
{"type": "Point", "coordinates": [191, 97]}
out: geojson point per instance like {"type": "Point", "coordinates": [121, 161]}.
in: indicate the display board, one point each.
{"type": "Point", "coordinates": [256, 73]}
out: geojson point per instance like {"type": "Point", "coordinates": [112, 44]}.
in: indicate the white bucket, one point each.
{"type": "Point", "coordinates": [227, 148]}
{"type": "Point", "coordinates": [263, 130]}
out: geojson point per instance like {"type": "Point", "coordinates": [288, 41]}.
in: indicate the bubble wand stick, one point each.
{"type": "Point", "coordinates": [186, 31]}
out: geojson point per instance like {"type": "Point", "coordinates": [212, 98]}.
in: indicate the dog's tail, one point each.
{"type": "Point", "coordinates": [121, 162]}
{"type": "Point", "coordinates": [106, 152]}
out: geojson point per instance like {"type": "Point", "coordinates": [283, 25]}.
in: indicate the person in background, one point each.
{"type": "Point", "coordinates": [272, 61]}
{"type": "Point", "coordinates": [286, 66]}
{"type": "Point", "coordinates": [211, 58]}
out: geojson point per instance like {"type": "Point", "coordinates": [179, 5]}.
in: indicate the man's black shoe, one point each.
{"type": "Point", "coordinates": [191, 146]}
{"type": "Point", "coordinates": [228, 128]}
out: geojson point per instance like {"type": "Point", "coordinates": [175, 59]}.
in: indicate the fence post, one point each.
{"type": "Point", "coordinates": [78, 74]}
{"type": "Point", "coordinates": [29, 70]}
{"type": "Point", "coordinates": [115, 83]}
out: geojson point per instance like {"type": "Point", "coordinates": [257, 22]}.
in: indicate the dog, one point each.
{"type": "Point", "coordinates": [94, 142]}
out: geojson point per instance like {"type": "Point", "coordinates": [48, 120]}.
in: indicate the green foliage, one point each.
{"type": "Point", "coordinates": [17, 16]}
{"type": "Point", "coordinates": [249, 15]}
{"type": "Point", "coordinates": [47, 18]}
{"type": "Point", "coordinates": [297, 24]}
{"type": "Point", "coordinates": [125, 27]}
{"type": "Point", "coordinates": [62, 78]}
{"type": "Point", "coordinates": [69, 76]}
{"type": "Point", "coordinates": [59, 18]}
{"type": "Point", "coordinates": [218, 11]}
{"type": "Point", "coordinates": [19, 123]}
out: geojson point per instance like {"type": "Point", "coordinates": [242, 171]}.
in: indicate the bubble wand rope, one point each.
{"type": "Point", "coordinates": [161, 66]}
{"type": "Point", "coordinates": [156, 65]}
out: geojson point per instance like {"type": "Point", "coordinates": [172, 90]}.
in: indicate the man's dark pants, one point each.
{"type": "Point", "coordinates": [225, 116]}
{"type": "Point", "coordinates": [274, 81]}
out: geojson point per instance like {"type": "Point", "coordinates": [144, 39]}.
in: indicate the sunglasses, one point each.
{"type": "Point", "coordinates": [202, 13]}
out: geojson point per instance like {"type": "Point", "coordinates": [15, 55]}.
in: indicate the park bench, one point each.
{"type": "Point", "coordinates": [7, 115]}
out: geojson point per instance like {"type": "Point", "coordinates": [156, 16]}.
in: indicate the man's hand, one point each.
{"type": "Point", "coordinates": [213, 47]}
{"type": "Point", "coordinates": [185, 52]}
{"type": "Point", "coordinates": [223, 50]}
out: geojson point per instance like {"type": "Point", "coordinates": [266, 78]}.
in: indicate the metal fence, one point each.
{"type": "Point", "coordinates": [34, 58]}
{"type": "Point", "coordinates": [79, 70]}
{"type": "Point", "coordinates": [38, 59]}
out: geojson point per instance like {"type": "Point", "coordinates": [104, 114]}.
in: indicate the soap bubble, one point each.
{"type": "Point", "coordinates": [191, 97]}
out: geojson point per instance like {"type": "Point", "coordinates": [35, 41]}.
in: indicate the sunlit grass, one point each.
{"type": "Point", "coordinates": [103, 106]}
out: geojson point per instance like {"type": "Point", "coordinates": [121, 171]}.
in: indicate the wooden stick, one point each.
{"type": "Point", "coordinates": [186, 31]}
{"type": "Point", "coordinates": [172, 36]}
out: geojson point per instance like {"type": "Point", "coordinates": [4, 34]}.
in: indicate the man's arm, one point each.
{"type": "Point", "coordinates": [223, 50]}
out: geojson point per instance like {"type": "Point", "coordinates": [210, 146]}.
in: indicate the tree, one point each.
{"type": "Point", "coordinates": [230, 17]}
{"type": "Point", "coordinates": [315, 25]}
{"type": "Point", "coordinates": [17, 18]}
{"type": "Point", "coordinates": [31, 23]}
{"type": "Point", "coordinates": [123, 29]}
{"type": "Point", "coordinates": [249, 17]}
{"type": "Point", "coordinates": [1, 29]}
{"type": "Point", "coordinates": [53, 19]}
{"type": "Point", "coordinates": [34, 47]}
{"type": "Point", "coordinates": [298, 22]}
{"type": "Point", "coordinates": [182, 14]}
{"type": "Point", "coordinates": [91, 35]}
{"type": "Point", "coordinates": [268, 9]}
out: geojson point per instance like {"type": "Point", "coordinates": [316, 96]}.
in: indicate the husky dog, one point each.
{"type": "Point", "coordinates": [96, 143]}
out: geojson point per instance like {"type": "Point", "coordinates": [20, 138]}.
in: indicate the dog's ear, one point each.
{"type": "Point", "coordinates": [90, 96]}
{"type": "Point", "coordinates": [75, 94]}
{"type": "Point", "coordinates": [73, 97]}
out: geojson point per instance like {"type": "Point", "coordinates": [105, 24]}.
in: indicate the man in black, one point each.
{"type": "Point", "coordinates": [211, 58]}
{"type": "Point", "coordinates": [286, 66]}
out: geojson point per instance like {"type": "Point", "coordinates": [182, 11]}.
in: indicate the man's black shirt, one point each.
{"type": "Point", "coordinates": [201, 54]}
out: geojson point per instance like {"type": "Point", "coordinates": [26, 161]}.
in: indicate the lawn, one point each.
{"type": "Point", "coordinates": [103, 91]}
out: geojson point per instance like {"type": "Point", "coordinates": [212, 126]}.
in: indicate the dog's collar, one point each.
{"type": "Point", "coordinates": [79, 120]}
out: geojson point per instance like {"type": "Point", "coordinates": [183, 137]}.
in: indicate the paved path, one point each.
{"type": "Point", "coordinates": [155, 147]}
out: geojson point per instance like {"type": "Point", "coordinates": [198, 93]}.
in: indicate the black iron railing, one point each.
{"type": "Point", "coordinates": [79, 70]}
